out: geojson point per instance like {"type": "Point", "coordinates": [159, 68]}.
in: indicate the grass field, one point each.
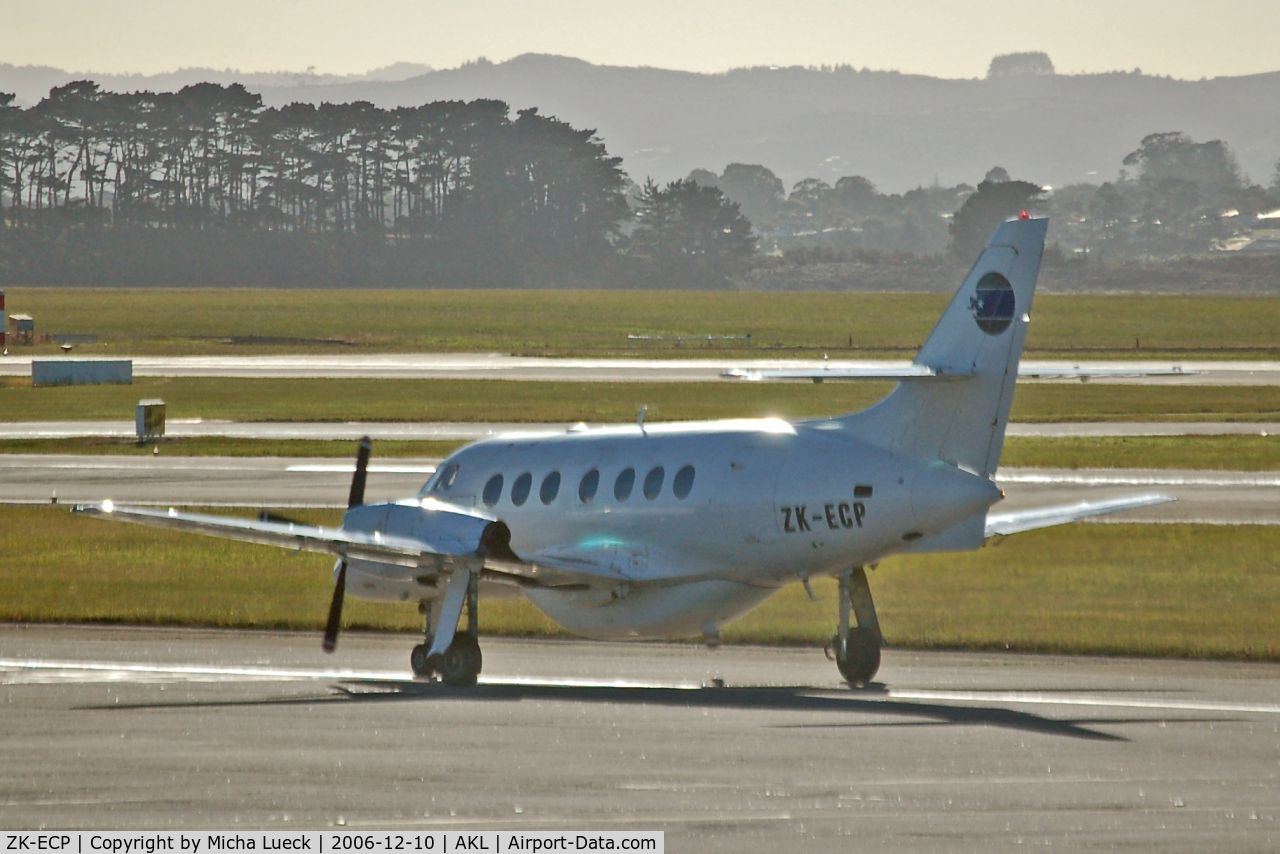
{"type": "Point", "coordinates": [500, 400]}
{"type": "Point", "coordinates": [1169, 590]}
{"type": "Point", "coordinates": [1239, 453]}
{"type": "Point", "coordinates": [1224, 453]}
{"type": "Point", "coordinates": [167, 321]}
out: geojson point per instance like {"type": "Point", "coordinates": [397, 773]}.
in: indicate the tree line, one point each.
{"type": "Point", "coordinates": [205, 185]}
{"type": "Point", "coordinates": [1172, 196]}
{"type": "Point", "coordinates": [144, 186]}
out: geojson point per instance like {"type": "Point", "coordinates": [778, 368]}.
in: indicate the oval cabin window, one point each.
{"type": "Point", "coordinates": [588, 486]}
{"type": "Point", "coordinates": [520, 489]}
{"type": "Point", "coordinates": [683, 483]}
{"type": "Point", "coordinates": [653, 482]}
{"type": "Point", "coordinates": [622, 486]}
{"type": "Point", "coordinates": [492, 491]}
{"type": "Point", "coordinates": [550, 487]}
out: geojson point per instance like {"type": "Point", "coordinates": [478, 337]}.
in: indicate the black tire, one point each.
{"type": "Point", "coordinates": [461, 662]}
{"type": "Point", "coordinates": [422, 668]}
{"type": "Point", "coordinates": [861, 657]}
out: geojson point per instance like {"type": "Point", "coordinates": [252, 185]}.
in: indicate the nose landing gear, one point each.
{"type": "Point", "coordinates": [857, 647]}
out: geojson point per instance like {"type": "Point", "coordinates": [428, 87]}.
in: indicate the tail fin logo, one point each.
{"type": "Point", "coordinates": [992, 303]}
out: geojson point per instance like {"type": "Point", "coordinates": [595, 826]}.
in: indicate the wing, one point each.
{"type": "Point", "coordinates": [1002, 524]}
{"type": "Point", "coordinates": [488, 550]}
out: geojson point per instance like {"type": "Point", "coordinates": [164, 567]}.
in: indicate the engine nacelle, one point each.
{"type": "Point", "coordinates": [441, 528]}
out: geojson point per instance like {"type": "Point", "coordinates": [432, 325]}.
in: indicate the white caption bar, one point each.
{"type": "Point", "coordinates": [332, 842]}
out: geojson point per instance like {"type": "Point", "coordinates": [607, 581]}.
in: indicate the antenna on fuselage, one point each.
{"type": "Point", "coordinates": [644, 410]}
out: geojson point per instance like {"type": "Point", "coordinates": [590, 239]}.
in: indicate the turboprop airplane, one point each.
{"type": "Point", "coordinates": [673, 530]}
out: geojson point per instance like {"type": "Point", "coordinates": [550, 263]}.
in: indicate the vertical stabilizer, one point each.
{"type": "Point", "coordinates": [979, 338]}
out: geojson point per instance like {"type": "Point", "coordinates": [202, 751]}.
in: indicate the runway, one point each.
{"type": "Point", "coordinates": [185, 428]}
{"type": "Point", "coordinates": [122, 728]}
{"type": "Point", "coordinates": [503, 366]}
{"type": "Point", "coordinates": [1204, 497]}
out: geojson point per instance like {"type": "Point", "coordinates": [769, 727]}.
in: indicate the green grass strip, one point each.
{"type": "Point", "coordinates": [1160, 590]}
{"type": "Point", "coordinates": [1223, 453]}
{"type": "Point", "coordinates": [501, 400]}
{"type": "Point", "coordinates": [157, 321]}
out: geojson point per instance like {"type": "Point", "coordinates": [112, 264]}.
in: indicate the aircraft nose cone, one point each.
{"type": "Point", "coordinates": [942, 495]}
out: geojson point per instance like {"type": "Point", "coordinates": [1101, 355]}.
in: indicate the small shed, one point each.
{"type": "Point", "coordinates": [149, 420]}
{"type": "Point", "coordinates": [22, 327]}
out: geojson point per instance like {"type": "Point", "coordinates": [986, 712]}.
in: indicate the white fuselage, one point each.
{"type": "Point", "coordinates": [716, 517]}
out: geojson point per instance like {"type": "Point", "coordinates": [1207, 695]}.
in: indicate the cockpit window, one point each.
{"type": "Point", "coordinates": [446, 479]}
{"type": "Point", "coordinates": [492, 491]}
{"type": "Point", "coordinates": [520, 489]}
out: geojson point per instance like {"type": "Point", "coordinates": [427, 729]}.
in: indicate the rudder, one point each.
{"type": "Point", "coordinates": [978, 341]}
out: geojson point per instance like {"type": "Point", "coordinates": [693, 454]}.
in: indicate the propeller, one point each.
{"type": "Point", "coordinates": [354, 499]}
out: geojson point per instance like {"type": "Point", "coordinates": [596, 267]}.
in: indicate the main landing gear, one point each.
{"type": "Point", "coordinates": [452, 655]}
{"type": "Point", "coordinates": [857, 648]}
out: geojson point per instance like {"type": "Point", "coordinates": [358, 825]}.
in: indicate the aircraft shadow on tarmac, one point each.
{"type": "Point", "coordinates": [871, 701]}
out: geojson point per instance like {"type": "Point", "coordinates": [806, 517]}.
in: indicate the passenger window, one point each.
{"type": "Point", "coordinates": [550, 487]}
{"type": "Point", "coordinates": [588, 486]}
{"type": "Point", "coordinates": [622, 486]}
{"type": "Point", "coordinates": [653, 482]}
{"type": "Point", "coordinates": [492, 490]}
{"type": "Point", "coordinates": [683, 484]}
{"type": "Point", "coordinates": [520, 489]}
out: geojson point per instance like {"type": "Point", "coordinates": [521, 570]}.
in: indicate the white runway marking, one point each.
{"type": "Point", "coordinates": [348, 468]}
{"type": "Point", "coordinates": [21, 671]}
{"type": "Point", "coordinates": [1121, 478]}
{"type": "Point", "coordinates": [132, 464]}
{"type": "Point", "coordinates": [12, 671]}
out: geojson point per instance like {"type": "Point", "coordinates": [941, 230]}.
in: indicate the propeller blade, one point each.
{"type": "Point", "coordinates": [335, 610]}
{"type": "Point", "coordinates": [362, 469]}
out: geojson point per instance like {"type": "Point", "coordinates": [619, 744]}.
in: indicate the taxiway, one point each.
{"type": "Point", "coordinates": [187, 428]}
{"type": "Point", "coordinates": [507, 367]}
{"type": "Point", "coordinates": [125, 728]}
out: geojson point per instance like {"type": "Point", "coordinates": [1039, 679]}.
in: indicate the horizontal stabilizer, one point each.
{"type": "Point", "coordinates": [1085, 374]}
{"type": "Point", "coordinates": [1002, 524]}
{"type": "Point", "coordinates": [924, 372]}
{"type": "Point", "coordinates": [817, 375]}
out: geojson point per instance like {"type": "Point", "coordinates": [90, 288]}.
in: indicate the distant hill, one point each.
{"type": "Point", "coordinates": [32, 82]}
{"type": "Point", "coordinates": [899, 130]}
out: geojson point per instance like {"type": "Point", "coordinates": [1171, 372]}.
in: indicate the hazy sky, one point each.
{"type": "Point", "coordinates": [946, 38]}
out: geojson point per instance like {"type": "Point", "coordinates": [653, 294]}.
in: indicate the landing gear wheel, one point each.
{"type": "Point", "coordinates": [461, 662]}
{"type": "Point", "coordinates": [422, 668]}
{"type": "Point", "coordinates": [861, 655]}
{"type": "Point", "coordinates": [857, 646]}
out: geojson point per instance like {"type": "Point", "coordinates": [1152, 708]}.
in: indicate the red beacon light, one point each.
{"type": "Point", "coordinates": [1024, 215]}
